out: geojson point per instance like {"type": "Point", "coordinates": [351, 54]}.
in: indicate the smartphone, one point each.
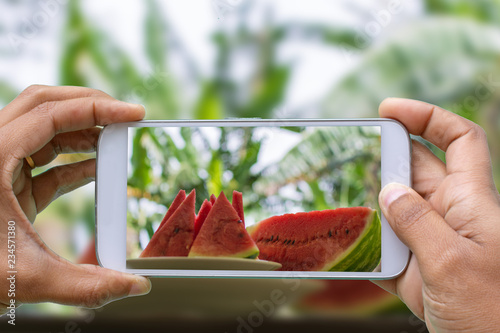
{"type": "Point", "coordinates": [250, 198]}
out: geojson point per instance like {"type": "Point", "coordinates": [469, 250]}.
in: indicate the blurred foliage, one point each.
{"type": "Point", "coordinates": [481, 10]}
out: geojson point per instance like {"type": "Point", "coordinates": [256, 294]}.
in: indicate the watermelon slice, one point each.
{"type": "Point", "coordinates": [356, 298]}
{"type": "Point", "coordinates": [89, 255]}
{"type": "Point", "coordinates": [181, 196]}
{"type": "Point", "coordinates": [201, 217]}
{"type": "Point", "coordinates": [176, 235]}
{"type": "Point", "coordinates": [238, 205]}
{"type": "Point", "coordinates": [223, 234]}
{"type": "Point", "coordinates": [212, 199]}
{"type": "Point", "coordinates": [343, 239]}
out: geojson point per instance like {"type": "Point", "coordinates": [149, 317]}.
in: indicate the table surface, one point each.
{"type": "Point", "coordinates": [397, 324]}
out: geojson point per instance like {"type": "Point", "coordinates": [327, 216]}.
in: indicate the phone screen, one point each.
{"type": "Point", "coordinates": [254, 198]}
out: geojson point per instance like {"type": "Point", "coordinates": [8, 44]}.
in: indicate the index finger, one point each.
{"type": "Point", "coordinates": [463, 141]}
{"type": "Point", "coordinates": [31, 131]}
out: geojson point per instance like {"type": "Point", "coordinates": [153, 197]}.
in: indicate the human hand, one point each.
{"type": "Point", "coordinates": [43, 122]}
{"type": "Point", "coordinates": [450, 222]}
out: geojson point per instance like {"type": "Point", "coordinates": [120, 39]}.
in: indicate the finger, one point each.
{"type": "Point", "coordinates": [84, 141]}
{"type": "Point", "coordinates": [463, 141]}
{"type": "Point", "coordinates": [51, 118]}
{"type": "Point", "coordinates": [89, 285]}
{"type": "Point", "coordinates": [60, 180]}
{"type": "Point", "coordinates": [408, 287]}
{"type": "Point", "coordinates": [416, 223]}
{"type": "Point", "coordinates": [39, 94]}
{"type": "Point", "coordinates": [428, 170]}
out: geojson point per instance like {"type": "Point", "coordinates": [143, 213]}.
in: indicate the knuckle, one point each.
{"type": "Point", "coordinates": [34, 91]}
{"type": "Point", "coordinates": [408, 214]}
{"type": "Point", "coordinates": [44, 110]}
{"type": "Point", "coordinates": [45, 107]}
{"type": "Point", "coordinates": [96, 297]}
{"type": "Point", "coordinates": [55, 143]}
{"type": "Point", "coordinates": [98, 93]}
{"type": "Point", "coordinates": [477, 133]}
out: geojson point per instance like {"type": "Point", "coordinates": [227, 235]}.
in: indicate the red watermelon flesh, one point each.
{"type": "Point", "coordinates": [201, 217]}
{"type": "Point", "coordinates": [238, 205]}
{"type": "Point", "coordinates": [343, 239]}
{"type": "Point", "coordinates": [181, 196]}
{"type": "Point", "coordinates": [176, 236]}
{"type": "Point", "coordinates": [223, 234]}
{"type": "Point", "coordinates": [89, 255]}
{"type": "Point", "coordinates": [213, 198]}
{"type": "Point", "coordinates": [349, 297]}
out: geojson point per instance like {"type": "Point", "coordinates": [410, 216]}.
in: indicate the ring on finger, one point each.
{"type": "Point", "coordinates": [30, 161]}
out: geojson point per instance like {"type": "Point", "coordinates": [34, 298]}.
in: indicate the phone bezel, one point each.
{"type": "Point", "coordinates": [111, 195]}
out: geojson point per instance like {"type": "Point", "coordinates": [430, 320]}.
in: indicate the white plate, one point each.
{"type": "Point", "coordinates": [203, 263]}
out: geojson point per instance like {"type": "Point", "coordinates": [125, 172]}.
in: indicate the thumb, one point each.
{"type": "Point", "coordinates": [92, 286]}
{"type": "Point", "coordinates": [415, 222]}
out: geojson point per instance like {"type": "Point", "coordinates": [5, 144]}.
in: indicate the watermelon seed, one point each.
{"type": "Point", "coordinates": [176, 230]}
{"type": "Point", "coordinates": [289, 242]}
{"type": "Point", "coordinates": [271, 239]}
{"type": "Point", "coordinates": [329, 233]}
{"type": "Point", "coordinates": [277, 237]}
{"type": "Point", "coordinates": [240, 221]}
{"type": "Point", "coordinates": [293, 242]}
{"type": "Point", "coordinates": [347, 231]}
{"type": "Point", "coordinates": [286, 240]}
{"type": "Point", "coordinates": [241, 235]}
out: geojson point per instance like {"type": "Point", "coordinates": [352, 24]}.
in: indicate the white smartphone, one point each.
{"type": "Point", "coordinates": [304, 198]}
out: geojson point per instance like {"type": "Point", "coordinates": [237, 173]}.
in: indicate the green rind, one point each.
{"type": "Point", "coordinates": [364, 255]}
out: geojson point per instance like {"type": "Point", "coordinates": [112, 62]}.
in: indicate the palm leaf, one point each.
{"type": "Point", "coordinates": [320, 152]}
{"type": "Point", "coordinates": [438, 60]}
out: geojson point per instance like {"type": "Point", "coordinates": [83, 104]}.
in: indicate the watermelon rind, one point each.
{"type": "Point", "coordinates": [364, 254]}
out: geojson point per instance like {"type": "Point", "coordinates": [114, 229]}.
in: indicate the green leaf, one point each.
{"type": "Point", "coordinates": [318, 196]}
{"type": "Point", "coordinates": [480, 10]}
{"type": "Point", "coordinates": [141, 166]}
{"type": "Point", "coordinates": [209, 105]}
{"type": "Point", "coordinates": [7, 93]}
{"type": "Point", "coordinates": [215, 170]}
{"type": "Point", "coordinates": [439, 61]}
{"type": "Point", "coordinates": [268, 94]}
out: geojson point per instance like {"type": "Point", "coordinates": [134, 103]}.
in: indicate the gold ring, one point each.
{"type": "Point", "coordinates": [30, 161]}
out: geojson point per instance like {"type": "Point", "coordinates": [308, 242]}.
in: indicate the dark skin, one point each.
{"type": "Point", "coordinates": [450, 220]}
{"type": "Point", "coordinates": [43, 122]}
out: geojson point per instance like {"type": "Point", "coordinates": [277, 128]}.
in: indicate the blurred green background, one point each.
{"type": "Point", "coordinates": [242, 58]}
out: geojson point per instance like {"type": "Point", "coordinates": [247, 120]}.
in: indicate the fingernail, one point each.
{"type": "Point", "coordinates": [391, 192]}
{"type": "Point", "coordinates": [142, 286]}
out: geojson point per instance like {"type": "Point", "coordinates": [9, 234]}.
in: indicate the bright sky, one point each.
{"type": "Point", "coordinates": [316, 67]}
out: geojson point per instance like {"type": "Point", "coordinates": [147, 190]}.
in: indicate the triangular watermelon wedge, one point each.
{"type": "Point", "coordinates": [223, 234]}
{"type": "Point", "coordinates": [238, 205]}
{"type": "Point", "coordinates": [212, 199]}
{"type": "Point", "coordinates": [201, 217]}
{"type": "Point", "coordinates": [176, 236]}
{"type": "Point", "coordinates": [181, 196]}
